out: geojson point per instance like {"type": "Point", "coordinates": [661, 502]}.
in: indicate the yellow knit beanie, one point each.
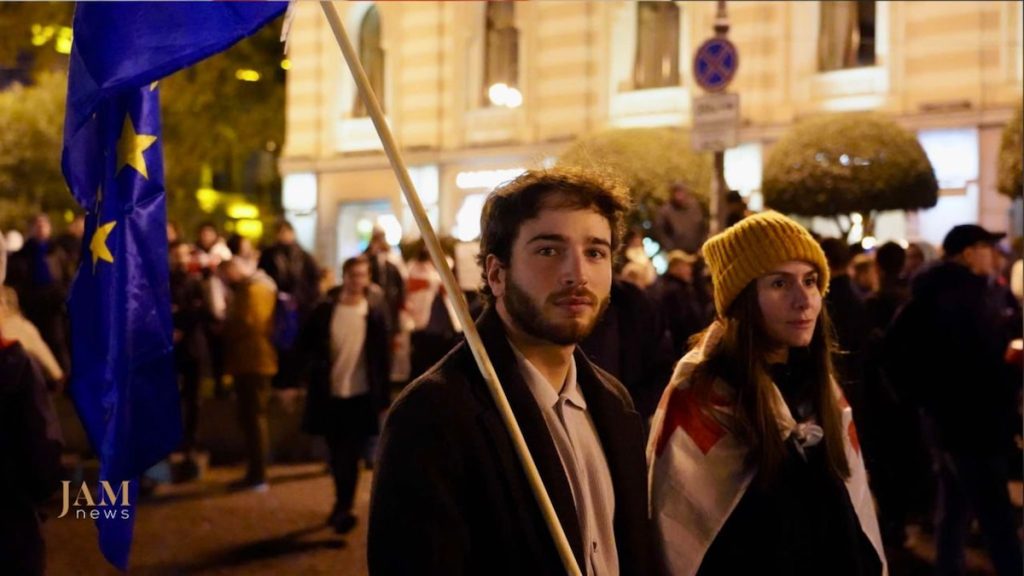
{"type": "Point", "coordinates": [752, 248]}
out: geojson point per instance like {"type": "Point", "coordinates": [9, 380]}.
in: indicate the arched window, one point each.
{"type": "Point", "coordinates": [846, 35]}
{"type": "Point", "coordinates": [372, 56]}
{"type": "Point", "coordinates": [657, 45]}
{"type": "Point", "coordinates": [501, 56]}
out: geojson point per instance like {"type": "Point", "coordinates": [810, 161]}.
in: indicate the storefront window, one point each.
{"type": "Point", "coordinates": [846, 35]}
{"type": "Point", "coordinates": [372, 56]}
{"type": "Point", "coordinates": [657, 45]}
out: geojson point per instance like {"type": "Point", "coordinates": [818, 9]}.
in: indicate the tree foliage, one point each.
{"type": "Point", "coordinates": [848, 163]}
{"type": "Point", "coordinates": [1010, 158]}
{"type": "Point", "coordinates": [647, 160]}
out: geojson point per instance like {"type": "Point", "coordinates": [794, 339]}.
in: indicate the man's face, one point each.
{"type": "Point", "coordinates": [207, 237]}
{"type": "Point", "coordinates": [180, 256]}
{"type": "Point", "coordinates": [41, 229]}
{"type": "Point", "coordinates": [682, 270]}
{"type": "Point", "coordinates": [558, 282]}
{"type": "Point", "coordinates": [980, 259]}
{"type": "Point", "coordinates": [357, 279]}
{"type": "Point", "coordinates": [286, 236]}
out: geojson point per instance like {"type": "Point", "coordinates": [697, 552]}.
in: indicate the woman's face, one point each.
{"type": "Point", "coordinates": [790, 303]}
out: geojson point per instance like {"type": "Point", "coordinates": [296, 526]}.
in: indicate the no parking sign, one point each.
{"type": "Point", "coordinates": [715, 64]}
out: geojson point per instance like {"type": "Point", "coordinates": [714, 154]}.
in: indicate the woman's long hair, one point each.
{"type": "Point", "coordinates": [739, 359]}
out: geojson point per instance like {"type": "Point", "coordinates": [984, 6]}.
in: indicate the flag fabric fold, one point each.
{"type": "Point", "coordinates": [123, 375]}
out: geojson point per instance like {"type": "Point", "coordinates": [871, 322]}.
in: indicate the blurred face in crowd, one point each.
{"type": "Point", "coordinates": [915, 259]}
{"type": "Point", "coordinates": [356, 279]}
{"type": "Point", "coordinates": [558, 282]}
{"type": "Point", "coordinates": [980, 258]}
{"type": "Point", "coordinates": [231, 272]}
{"type": "Point", "coordinates": [207, 237]}
{"type": "Point", "coordinates": [790, 303]}
{"type": "Point", "coordinates": [180, 256]}
{"type": "Point", "coordinates": [41, 228]}
{"type": "Point", "coordinates": [286, 236]}
{"type": "Point", "coordinates": [682, 270]}
{"type": "Point", "coordinates": [77, 227]}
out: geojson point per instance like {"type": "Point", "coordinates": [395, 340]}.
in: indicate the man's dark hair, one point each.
{"type": "Point", "coordinates": [283, 224]}
{"type": "Point", "coordinates": [522, 199]}
{"type": "Point", "coordinates": [836, 252]}
{"type": "Point", "coordinates": [890, 258]}
{"type": "Point", "coordinates": [352, 262]}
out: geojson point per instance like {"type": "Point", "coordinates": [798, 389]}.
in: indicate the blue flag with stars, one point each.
{"type": "Point", "coordinates": [123, 378]}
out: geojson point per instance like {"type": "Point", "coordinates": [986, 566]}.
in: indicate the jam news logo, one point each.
{"type": "Point", "coordinates": [112, 503]}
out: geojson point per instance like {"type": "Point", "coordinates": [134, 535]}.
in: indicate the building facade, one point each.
{"type": "Point", "coordinates": [477, 91]}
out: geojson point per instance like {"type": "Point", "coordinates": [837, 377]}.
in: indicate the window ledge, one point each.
{"type": "Point", "coordinates": [862, 81]}
{"type": "Point", "coordinates": [666, 106]}
{"type": "Point", "coordinates": [358, 135]}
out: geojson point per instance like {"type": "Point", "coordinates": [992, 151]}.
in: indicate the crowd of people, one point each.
{"type": "Point", "coordinates": [782, 379]}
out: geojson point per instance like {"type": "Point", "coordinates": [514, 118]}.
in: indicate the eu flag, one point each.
{"type": "Point", "coordinates": [123, 374]}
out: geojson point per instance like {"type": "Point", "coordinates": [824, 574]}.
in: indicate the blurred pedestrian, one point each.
{"type": "Point", "coordinates": [14, 326]}
{"type": "Point", "coordinates": [188, 312]}
{"type": "Point", "coordinates": [434, 332]}
{"type": "Point", "coordinates": [71, 241]}
{"type": "Point", "coordinates": [449, 495]}
{"type": "Point", "coordinates": [755, 464]}
{"type": "Point", "coordinates": [735, 208]}
{"type": "Point", "coordinates": [920, 254]}
{"type": "Point", "coordinates": [250, 357]}
{"type": "Point", "coordinates": [207, 254]}
{"type": "Point", "coordinates": [634, 253]}
{"type": "Point", "coordinates": [347, 340]}
{"type": "Point", "coordinates": [296, 274]}
{"type": "Point", "coordinates": [677, 302]}
{"type": "Point", "coordinates": [863, 275]}
{"type": "Point", "coordinates": [945, 348]}
{"type": "Point", "coordinates": [386, 274]}
{"type": "Point", "coordinates": [680, 223]}
{"type": "Point", "coordinates": [41, 274]}
{"type": "Point", "coordinates": [848, 317]}
{"type": "Point", "coordinates": [30, 448]}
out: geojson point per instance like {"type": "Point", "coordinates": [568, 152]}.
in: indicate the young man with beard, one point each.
{"type": "Point", "coordinates": [450, 496]}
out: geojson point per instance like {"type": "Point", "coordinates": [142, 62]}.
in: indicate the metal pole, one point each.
{"type": "Point", "coordinates": [476, 345]}
{"type": "Point", "coordinates": [719, 188]}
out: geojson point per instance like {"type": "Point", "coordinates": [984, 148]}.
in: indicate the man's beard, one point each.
{"type": "Point", "coordinates": [529, 317]}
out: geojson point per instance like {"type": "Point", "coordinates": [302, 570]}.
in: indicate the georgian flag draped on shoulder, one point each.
{"type": "Point", "coordinates": [123, 374]}
{"type": "Point", "coordinates": [697, 471]}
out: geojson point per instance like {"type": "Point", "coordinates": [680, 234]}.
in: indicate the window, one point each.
{"type": "Point", "coordinates": [501, 57]}
{"type": "Point", "coordinates": [372, 56]}
{"type": "Point", "coordinates": [846, 35]}
{"type": "Point", "coordinates": [657, 45]}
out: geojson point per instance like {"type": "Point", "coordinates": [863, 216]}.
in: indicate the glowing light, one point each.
{"type": "Point", "coordinates": [64, 40]}
{"type": "Point", "coordinates": [502, 94]}
{"type": "Point", "coordinates": [242, 210]}
{"type": "Point", "coordinates": [286, 64]}
{"type": "Point", "coordinates": [208, 199]}
{"type": "Point", "coordinates": [392, 229]}
{"type": "Point", "coordinates": [856, 218]}
{"type": "Point", "coordinates": [299, 193]}
{"type": "Point", "coordinates": [68, 216]}
{"type": "Point", "coordinates": [903, 243]}
{"type": "Point", "coordinates": [250, 228]}
{"type": "Point", "coordinates": [467, 220]}
{"type": "Point", "coordinates": [869, 242]}
{"type": "Point", "coordinates": [41, 34]}
{"type": "Point", "coordinates": [486, 179]}
{"type": "Point", "coordinates": [247, 75]}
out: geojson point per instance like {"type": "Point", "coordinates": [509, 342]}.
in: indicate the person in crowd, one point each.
{"type": "Point", "coordinates": [386, 274]}
{"type": "Point", "coordinates": [250, 357]}
{"type": "Point", "coordinates": [188, 311]}
{"type": "Point", "coordinates": [630, 343]}
{"type": "Point", "coordinates": [920, 254]}
{"type": "Point", "coordinates": [863, 275]}
{"type": "Point", "coordinates": [243, 249]}
{"type": "Point", "coordinates": [735, 208]}
{"type": "Point", "coordinates": [71, 241]}
{"type": "Point", "coordinates": [173, 232]}
{"type": "Point", "coordinates": [846, 312]}
{"type": "Point", "coordinates": [945, 347]}
{"type": "Point", "coordinates": [677, 302]}
{"type": "Point", "coordinates": [449, 491]}
{"type": "Point", "coordinates": [296, 274]}
{"type": "Point", "coordinates": [755, 464]}
{"type": "Point", "coordinates": [207, 254]}
{"type": "Point", "coordinates": [680, 223]}
{"type": "Point", "coordinates": [347, 341]}
{"type": "Point", "coordinates": [14, 326]}
{"type": "Point", "coordinates": [30, 446]}
{"type": "Point", "coordinates": [434, 329]}
{"type": "Point", "coordinates": [41, 273]}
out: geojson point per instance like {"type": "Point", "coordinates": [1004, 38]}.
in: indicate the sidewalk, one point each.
{"type": "Point", "coordinates": [202, 528]}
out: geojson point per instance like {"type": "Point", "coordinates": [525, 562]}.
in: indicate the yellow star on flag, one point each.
{"type": "Point", "coordinates": [98, 244]}
{"type": "Point", "coordinates": [131, 146]}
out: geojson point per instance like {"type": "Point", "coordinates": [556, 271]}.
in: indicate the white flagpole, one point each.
{"type": "Point", "coordinates": [483, 361]}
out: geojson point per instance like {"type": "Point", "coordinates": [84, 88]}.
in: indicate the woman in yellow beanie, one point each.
{"type": "Point", "coordinates": [754, 461]}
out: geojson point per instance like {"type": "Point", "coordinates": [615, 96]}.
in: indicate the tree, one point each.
{"type": "Point", "coordinates": [31, 129]}
{"type": "Point", "coordinates": [1010, 158]}
{"type": "Point", "coordinates": [647, 160]}
{"type": "Point", "coordinates": [843, 164]}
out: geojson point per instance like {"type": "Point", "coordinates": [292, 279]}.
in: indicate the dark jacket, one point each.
{"type": "Point", "coordinates": [30, 446]}
{"type": "Point", "coordinates": [450, 496]}
{"type": "Point", "coordinates": [386, 275]}
{"type": "Point", "coordinates": [629, 344]}
{"type": "Point", "coordinates": [944, 350]}
{"type": "Point", "coordinates": [679, 307]}
{"type": "Point", "coordinates": [41, 274]}
{"type": "Point", "coordinates": [295, 272]}
{"type": "Point", "coordinates": [316, 341]}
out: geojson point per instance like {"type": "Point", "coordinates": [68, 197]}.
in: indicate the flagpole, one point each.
{"type": "Point", "coordinates": [483, 361]}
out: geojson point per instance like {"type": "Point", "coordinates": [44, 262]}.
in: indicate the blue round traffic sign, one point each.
{"type": "Point", "coordinates": [715, 64]}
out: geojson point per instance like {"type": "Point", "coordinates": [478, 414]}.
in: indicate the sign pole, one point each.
{"type": "Point", "coordinates": [719, 188]}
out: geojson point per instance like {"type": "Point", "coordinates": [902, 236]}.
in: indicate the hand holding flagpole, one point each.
{"type": "Point", "coordinates": [483, 361]}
